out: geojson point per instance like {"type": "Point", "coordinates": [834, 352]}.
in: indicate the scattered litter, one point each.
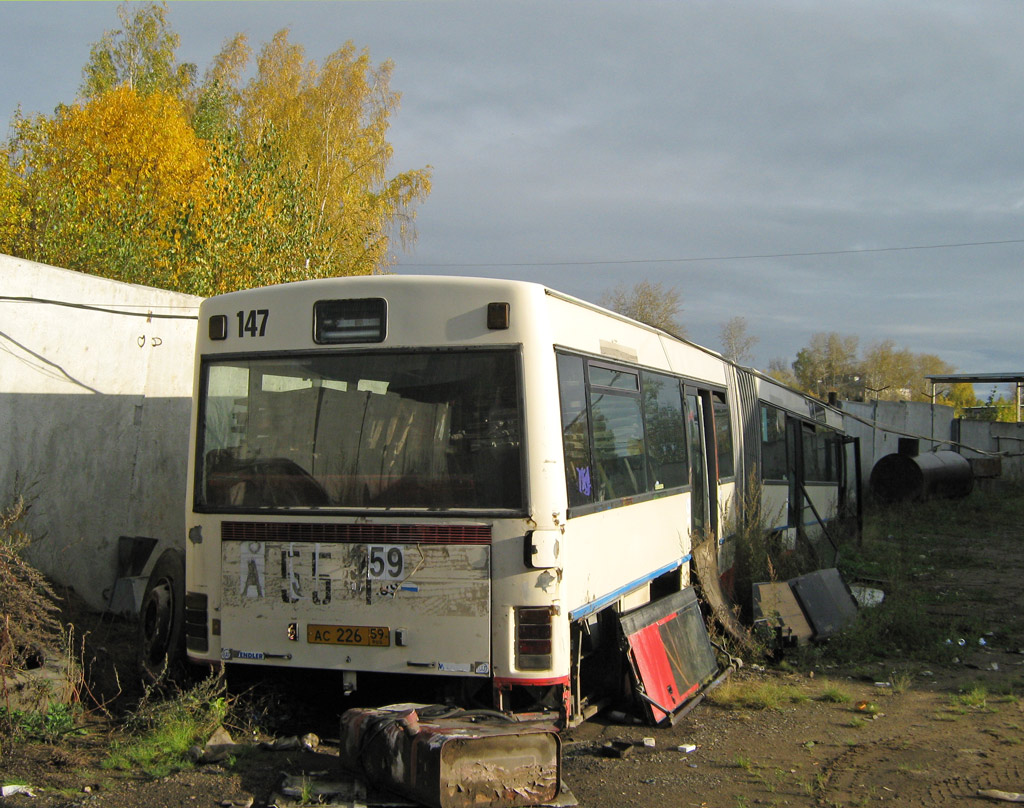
{"type": "Point", "coordinates": [1002, 796]}
{"type": "Point", "coordinates": [219, 747]}
{"type": "Point", "coordinates": [238, 802]}
{"type": "Point", "coordinates": [649, 742]}
{"type": "Point", "coordinates": [10, 791]}
{"type": "Point", "coordinates": [308, 742]}
{"type": "Point", "coordinates": [994, 666]}
{"type": "Point", "coordinates": [687, 748]}
{"type": "Point", "coordinates": [883, 684]}
{"type": "Point", "coordinates": [927, 673]}
{"type": "Point", "coordinates": [866, 596]}
{"type": "Point", "coordinates": [961, 642]}
{"type": "Point", "coordinates": [981, 641]}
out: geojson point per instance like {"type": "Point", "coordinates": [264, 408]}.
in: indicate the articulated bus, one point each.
{"type": "Point", "coordinates": [467, 479]}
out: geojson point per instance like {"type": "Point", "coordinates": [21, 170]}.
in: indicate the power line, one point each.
{"type": "Point", "coordinates": [694, 259]}
{"type": "Point", "coordinates": [149, 315]}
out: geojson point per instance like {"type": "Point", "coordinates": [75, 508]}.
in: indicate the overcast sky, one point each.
{"type": "Point", "coordinates": [713, 147]}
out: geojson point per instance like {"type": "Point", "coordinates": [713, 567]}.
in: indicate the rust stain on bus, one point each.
{"type": "Point", "coordinates": [440, 580]}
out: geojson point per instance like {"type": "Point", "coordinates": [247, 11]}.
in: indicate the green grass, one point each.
{"type": "Point", "coordinates": [974, 697]}
{"type": "Point", "coordinates": [755, 695]}
{"type": "Point", "coordinates": [743, 762]}
{"type": "Point", "coordinates": [915, 551]}
{"type": "Point", "coordinates": [49, 725]}
{"type": "Point", "coordinates": [162, 730]}
{"type": "Point", "coordinates": [835, 695]}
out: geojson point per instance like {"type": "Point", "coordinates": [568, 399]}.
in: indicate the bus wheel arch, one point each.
{"type": "Point", "coordinates": [160, 646]}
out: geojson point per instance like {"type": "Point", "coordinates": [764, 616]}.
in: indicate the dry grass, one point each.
{"type": "Point", "coordinates": [30, 632]}
{"type": "Point", "coordinates": [29, 614]}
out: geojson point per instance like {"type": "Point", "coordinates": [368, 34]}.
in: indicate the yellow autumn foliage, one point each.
{"type": "Point", "coordinates": [124, 147]}
{"type": "Point", "coordinates": [208, 188]}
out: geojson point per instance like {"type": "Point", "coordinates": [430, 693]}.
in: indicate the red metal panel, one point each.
{"type": "Point", "coordinates": [654, 668]}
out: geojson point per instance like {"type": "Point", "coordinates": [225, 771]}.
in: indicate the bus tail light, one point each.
{"type": "Point", "coordinates": [534, 636]}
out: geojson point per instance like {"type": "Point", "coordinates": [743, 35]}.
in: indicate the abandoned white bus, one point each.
{"type": "Point", "coordinates": [464, 479]}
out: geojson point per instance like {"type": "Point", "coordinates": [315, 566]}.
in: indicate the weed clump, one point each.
{"type": "Point", "coordinates": [762, 553]}
{"type": "Point", "coordinates": [161, 730]}
{"type": "Point", "coordinates": [29, 615]}
{"type": "Point", "coordinates": [30, 632]}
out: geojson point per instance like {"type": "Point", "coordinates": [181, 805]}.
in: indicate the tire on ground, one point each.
{"type": "Point", "coordinates": [161, 645]}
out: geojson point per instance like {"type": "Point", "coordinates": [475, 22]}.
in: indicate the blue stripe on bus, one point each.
{"type": "Point", "coordinates": [611, 597]}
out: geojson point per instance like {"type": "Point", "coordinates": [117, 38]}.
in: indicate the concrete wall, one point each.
{"type": "Point", "coordinates": [880, 425]}
{"type": "Point", "coordinates": [94, 410]}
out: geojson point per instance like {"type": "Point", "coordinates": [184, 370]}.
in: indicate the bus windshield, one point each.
{"type": "Point", "coordinates": [424, 430]}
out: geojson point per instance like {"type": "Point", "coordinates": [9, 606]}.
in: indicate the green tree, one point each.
{"type": "Point", "coordinates": [737, 344]}
{"type": "Point", "coordinates": [782, 371]}
{"type": "Point", "coordinates": [105, 184]}
{"type": "Point", "coordinates": [650, 303]}
{"type": "Point", "coordinates": [139, 55]}
{"type": "Point", "coordinates": [829, 364]}
{"type": "Point", "coordinates": [332, 123]}
{"type": "Point", "coordinates": [204, 189]}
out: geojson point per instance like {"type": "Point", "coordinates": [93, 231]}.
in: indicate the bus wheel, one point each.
{"type": "Point", "coordinates": [161, 620]}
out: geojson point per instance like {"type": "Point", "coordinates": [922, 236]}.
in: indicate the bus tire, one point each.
{"type": "Point", "coordinates": [161, 644]}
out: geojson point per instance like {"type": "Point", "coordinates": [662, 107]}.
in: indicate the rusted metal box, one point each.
{"type": "Point", "coordinates": [451, 758]}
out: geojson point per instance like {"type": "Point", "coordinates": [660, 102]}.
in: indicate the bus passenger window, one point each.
{"type": "Point", "coordinates": [773, 443]}
{"type": "Point", "coordinates": [665, 433]}
{"type": "Point", "coordinates": [618, 445]}
{"type": "Point", "coordinates": [575, 430]}
{"type": "Point", "coordinates": [723, 435]}
{"type": "Point", "coordinates": [618, 432]}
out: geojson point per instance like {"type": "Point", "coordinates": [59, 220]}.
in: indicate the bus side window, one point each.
{"type": "Point", "coordinates": [665, 432]}
{"type": "Point", "coordinates": [723, 435]}
{"type": "Point", "coordinates": [618, 445]}
{"type": "Point", "coordinates": [575, 430]}
{"type": "Point", "coordinates": [773, 443]}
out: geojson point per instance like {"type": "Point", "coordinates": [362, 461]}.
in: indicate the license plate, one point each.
{"type": "Point", "coordinates": [374, 636]}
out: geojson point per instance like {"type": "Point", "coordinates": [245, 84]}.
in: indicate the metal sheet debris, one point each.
{"type": "Point", "coordinates": [826, 600]}
{"type": "Point", "coordinates": [670, 652]}
{"type": "Point", "coordinates": [450, 758]}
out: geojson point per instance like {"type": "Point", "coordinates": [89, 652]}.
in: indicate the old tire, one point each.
{"type": "Point", "coordinates": [161, 644]}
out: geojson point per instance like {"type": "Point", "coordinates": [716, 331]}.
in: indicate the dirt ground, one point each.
{"type": "Point", "coordinates": [892, 732]}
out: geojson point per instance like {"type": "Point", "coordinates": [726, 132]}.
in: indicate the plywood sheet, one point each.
{"type": "Point", "coordinates": [777, 605]}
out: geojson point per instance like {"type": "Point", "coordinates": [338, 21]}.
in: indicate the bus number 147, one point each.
{"type": "Point", "coordinates": [252, 322]}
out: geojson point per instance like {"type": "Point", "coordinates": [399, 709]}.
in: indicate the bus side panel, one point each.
{"type": "Point", "coordinates": [775, 507]}
{"type": "Point", "coordinates": [727, 514]}
{"type": "Point", "coordinates": [622, 549]}
{"type": "Point", "coordinates": [825, 498]}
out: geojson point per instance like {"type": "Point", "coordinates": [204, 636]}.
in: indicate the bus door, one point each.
{"type": "Point", "coordinates": [701, 512]}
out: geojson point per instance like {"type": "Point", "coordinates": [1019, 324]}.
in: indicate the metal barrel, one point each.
{"type": "Point", "coordinates": [901, 477]}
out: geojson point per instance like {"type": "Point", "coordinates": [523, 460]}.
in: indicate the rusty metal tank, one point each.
{"type": "Point", "coordinates": [909, 476]}
{"type": "Point", "coordinates": [448, 758]}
